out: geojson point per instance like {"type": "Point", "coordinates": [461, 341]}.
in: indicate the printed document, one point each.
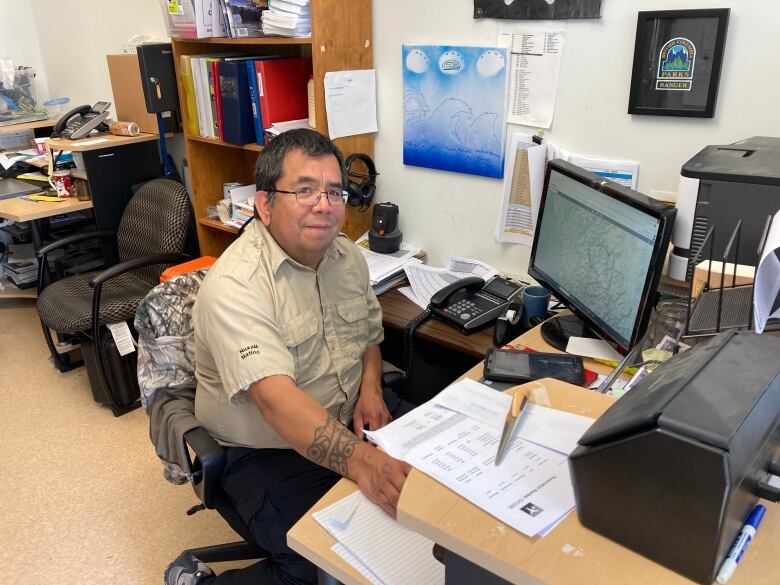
{"type": "Point", "coordinates": [621, 171]}
{"type": "Point", "coordinates": [393, 554]}
{"type": "Point", "coordinates": [350, 102]}
{"type": "Point", "coordinates": [523, 186]}
{"type": "Point", "coordinates": [767, 285]}
{"type": "Point", "coordinates": [535, 65]}
{"type": "Point", "coordinates": [427, 280]}
{"type": "Point", "coordinates": [531, 489]}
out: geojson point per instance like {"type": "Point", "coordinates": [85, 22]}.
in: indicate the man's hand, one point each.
{"type": "Point", "coordinates": [370, 410]}
{"type": "Point", "coordinates": [379, 476]}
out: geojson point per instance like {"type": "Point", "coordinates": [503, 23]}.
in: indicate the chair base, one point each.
{"type": "Point", "coordinates": [232, 551]}
{"type": "Point", "coordinates": [243, 551]}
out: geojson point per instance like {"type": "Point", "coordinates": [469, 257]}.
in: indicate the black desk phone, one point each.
{"type": "Point", "coordinates": [470, 304]}
{"type": "Point", "coordinates": [81, 121]}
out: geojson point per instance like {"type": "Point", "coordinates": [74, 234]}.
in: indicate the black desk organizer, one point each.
{"type": "Point", "coordinates": [727, 306]}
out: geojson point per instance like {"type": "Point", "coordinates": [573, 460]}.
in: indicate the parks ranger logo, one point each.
{"type": "Point", "coordinates": [675, 65]}
{"type": "Point", "coordinates": [245, 352]}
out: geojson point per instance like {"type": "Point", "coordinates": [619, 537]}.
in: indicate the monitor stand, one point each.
{"type": "Point", "coordinates": [556, 331]}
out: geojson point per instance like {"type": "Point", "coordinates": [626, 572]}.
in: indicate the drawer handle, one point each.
{"type": "Point", "coordinates": [106, 155]}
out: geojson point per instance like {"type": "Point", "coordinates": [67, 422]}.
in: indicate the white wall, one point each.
{"type": "Point", "coordinates": [454, 214]}
{"type": "Point", "coordinates": [19, 41]}
{"type": "Point", "coordinates": [76, 35]}
{"type": "Point", "coordinates": [450, 213]}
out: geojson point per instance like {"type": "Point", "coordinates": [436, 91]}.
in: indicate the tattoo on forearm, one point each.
{"type": "Point", "coordinates": [332, 446]}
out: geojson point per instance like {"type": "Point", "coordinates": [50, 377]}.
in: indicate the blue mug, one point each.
{"type": "Point", "coordinates": [535, 301]}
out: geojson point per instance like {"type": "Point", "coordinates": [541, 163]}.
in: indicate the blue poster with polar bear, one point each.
{"type": "Point", "coordinates": [454, 108]}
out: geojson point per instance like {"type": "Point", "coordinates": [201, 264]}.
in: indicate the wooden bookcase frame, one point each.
{"type": "Point", "coordinates": [341, 40]}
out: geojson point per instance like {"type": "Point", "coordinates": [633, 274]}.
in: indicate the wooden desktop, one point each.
{"type": "Point", "coordinates": [568, 554]}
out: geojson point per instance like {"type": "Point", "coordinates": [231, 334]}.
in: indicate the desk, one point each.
{"type": "Point", "coordinates": [36, 125]}
{"type": "Point", "coordinates": [441, 353]}
{"type": "Point", "coordinates": [569, 554]}
{"type": "Point", "coordinates": [20, 210]}
{"type": "Point", "coordinates": [113, 165]}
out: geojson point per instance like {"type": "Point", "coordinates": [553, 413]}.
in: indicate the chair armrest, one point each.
{"type": "Point", "coordinates": [104, 234]}
{"type": "Point", "coordinates": [207, 465]}
{"type": "Point", "coordinates": [122, 267]}
{"type": "Point", "coordinates": [392, 380]}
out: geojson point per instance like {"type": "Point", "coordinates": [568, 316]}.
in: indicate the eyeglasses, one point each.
{"type": "Point", "coordinates": [310, 197]}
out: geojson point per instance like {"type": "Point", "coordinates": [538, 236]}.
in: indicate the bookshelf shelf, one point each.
{"type": "Point", "coordinates": [250, 41]}
{"type": "Point", "coordinates": [214, 224]}
{"type": "Point", "coordinates": [342, 35]}
{"type": "Point", "coordinates": [215, 142]}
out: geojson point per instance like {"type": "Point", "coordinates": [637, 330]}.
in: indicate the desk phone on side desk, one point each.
{"type": "Point", "coordinates": [471, 304]}
{"type": "Point", "coordinates": [81, 121]}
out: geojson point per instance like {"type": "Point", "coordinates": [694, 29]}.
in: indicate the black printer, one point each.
{"type": "Point", "coordinates": [674, 467]}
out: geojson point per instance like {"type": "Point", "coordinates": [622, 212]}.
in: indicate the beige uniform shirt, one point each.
{"type": "Point", "coordinates": [260, 313]}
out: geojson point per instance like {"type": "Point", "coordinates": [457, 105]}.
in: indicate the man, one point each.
{"type": "Point", "coordinates": [287, 333]}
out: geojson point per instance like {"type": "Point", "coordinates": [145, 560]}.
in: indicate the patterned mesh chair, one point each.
{"type": "Point", "coordinates": [152, 235]}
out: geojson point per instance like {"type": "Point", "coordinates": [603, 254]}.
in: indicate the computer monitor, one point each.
{"type": "Point", "coordinates": [599, 248]}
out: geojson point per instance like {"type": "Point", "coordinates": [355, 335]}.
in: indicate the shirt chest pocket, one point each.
{"type": "Point", "coordinates": [351, 324]}
{"type": "Point", "coordinates": [299, 335]}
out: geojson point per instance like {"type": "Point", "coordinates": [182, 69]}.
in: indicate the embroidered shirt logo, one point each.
{"type": "Point", "coordinates": [245, 352]}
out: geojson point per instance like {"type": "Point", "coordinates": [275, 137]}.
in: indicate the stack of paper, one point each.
{"type": "Point", "coordinates": [387, 270]}
{"type": "Point", "coordinates": [21, 265]}
{"type": "Point", "coordinates": [382, 550]}
{"type": "Point", "coordinates": [454, 439]}
{"type": "Point", "coordinates": [242, 205]}
{"type": "Point", "coordinates": [279, 127]}
{"type": "Point", "coordinates": [288, 18]}
{"type": "Point", "coordinates": [426, 280]}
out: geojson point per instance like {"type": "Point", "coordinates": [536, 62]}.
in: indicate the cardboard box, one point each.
{"type": "Point", "coordinates": [125, 74]}
{"type": "Point", "coordinates": [744, 275]}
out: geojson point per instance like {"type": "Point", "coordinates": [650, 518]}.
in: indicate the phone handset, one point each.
{"type": "Point", "coordinates": [469, 284]}
{"type": "Point", "coordinates": [63, 121]}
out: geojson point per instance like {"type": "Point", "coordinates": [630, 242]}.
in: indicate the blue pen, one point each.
{"type": "Point", "coordinates": [740, 545]}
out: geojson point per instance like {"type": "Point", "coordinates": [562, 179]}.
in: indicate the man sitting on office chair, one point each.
{"type": "Point", "coordinates": [287, 333]}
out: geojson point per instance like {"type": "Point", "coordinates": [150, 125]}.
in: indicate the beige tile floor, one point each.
{"type": "Point", "coordinates": [82, 496]}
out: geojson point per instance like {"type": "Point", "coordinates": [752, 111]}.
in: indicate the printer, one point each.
{"type": "Point", "coordinates": [673, 468]}
{"type": "Point", "coordinates": [719, 186]}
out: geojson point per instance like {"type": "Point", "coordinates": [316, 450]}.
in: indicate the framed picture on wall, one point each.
{"type": "Point", "coordinates": [677, 61]}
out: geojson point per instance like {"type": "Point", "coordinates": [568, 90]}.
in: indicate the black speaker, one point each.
{"type": "Point", "coordinates": [360, 186]}
{"type": "Point", "coordinates": [384, 236]}
{"type": "Point", "coordinates": [158, 77]}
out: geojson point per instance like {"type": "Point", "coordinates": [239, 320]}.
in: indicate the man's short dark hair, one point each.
{"type": "Point", "coordinates": [270, 161]}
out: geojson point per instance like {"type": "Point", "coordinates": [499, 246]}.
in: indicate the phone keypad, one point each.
{"type": "Point", "coordinates": [465, 309]}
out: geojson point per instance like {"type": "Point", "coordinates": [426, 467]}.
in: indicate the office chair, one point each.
{"type": "Point", "coordinates": [166, 377]}
{"type": "Point", "coordinates": [152, 234]}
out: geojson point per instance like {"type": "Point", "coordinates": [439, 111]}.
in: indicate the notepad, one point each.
{"type": "Point", "coordinates": [393, 554]}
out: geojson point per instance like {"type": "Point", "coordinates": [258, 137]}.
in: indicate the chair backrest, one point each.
{"type": "Point", "coordinates": [156, 220]}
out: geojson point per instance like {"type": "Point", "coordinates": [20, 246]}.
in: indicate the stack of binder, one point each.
{"type": "Point", "coordinates": [237, 98]}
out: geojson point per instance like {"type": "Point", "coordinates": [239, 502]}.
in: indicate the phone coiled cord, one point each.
{"type": "Point", "coordinates": [409, 340]}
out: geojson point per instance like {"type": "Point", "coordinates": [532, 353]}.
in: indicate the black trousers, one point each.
{"type": "Point", "coordinates": [272, 489]}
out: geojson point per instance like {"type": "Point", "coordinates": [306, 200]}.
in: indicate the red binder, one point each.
{"type": "Point", "coordinates": [281, 85]}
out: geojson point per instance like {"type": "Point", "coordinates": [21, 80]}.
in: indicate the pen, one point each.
{"type": "Point", "coordinates": [740, 545]}
{"type": "Point", "coordinates": [519, 401]}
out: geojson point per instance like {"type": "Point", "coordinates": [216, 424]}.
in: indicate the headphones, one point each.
{"type": "Point", "coordinates": [360, 193]}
